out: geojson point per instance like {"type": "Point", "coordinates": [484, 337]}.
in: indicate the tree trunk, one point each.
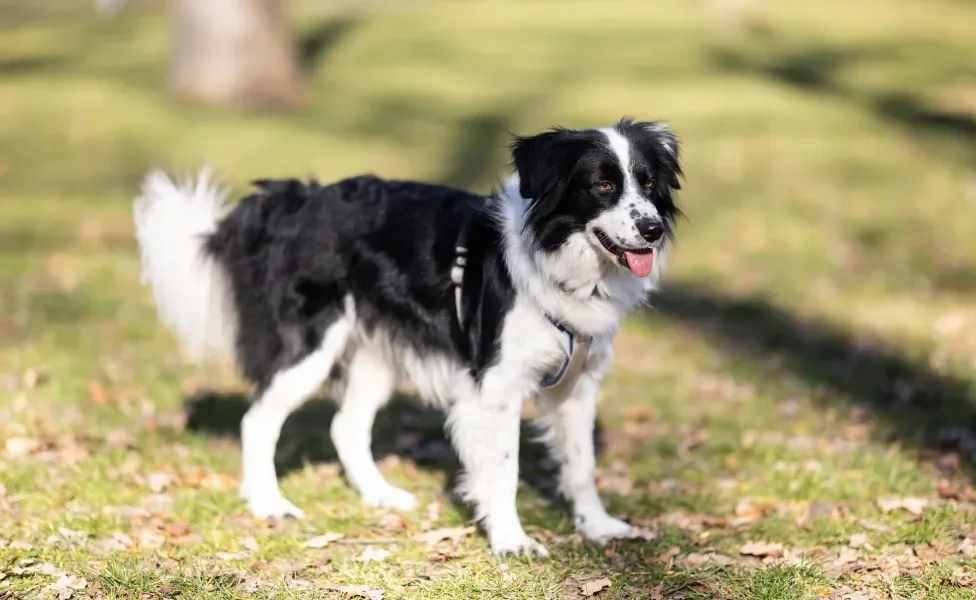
{"type": "Point", "coordinates": [234, 52]}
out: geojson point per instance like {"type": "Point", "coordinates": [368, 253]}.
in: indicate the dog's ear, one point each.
{"type": "Point", "coordinates": [670, 159]}
{"type": "Point", "coordinates": [545, 163]}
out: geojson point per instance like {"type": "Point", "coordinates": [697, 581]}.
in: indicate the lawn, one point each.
{"type": "Point", "coordinates": [793, 417]}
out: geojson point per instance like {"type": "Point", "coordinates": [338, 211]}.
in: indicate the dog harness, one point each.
{"type": "Point", "coordinates": [576, 347]}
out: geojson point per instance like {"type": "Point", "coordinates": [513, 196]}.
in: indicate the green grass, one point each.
{"type": "Point", "coordinates": [812, 352]}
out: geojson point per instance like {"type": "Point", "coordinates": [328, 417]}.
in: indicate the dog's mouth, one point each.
{"type": "Point", "coordinates": [640, 261]}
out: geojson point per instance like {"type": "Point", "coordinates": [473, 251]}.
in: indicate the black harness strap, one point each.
{"type": "Point", "coordinates": [577, 345]}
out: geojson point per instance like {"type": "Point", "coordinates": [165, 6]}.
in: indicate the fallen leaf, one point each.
{"type": "Point", "coordinates": [435, 536]}
{"type": "Point", "coordinates": [119, 542]}
{"type": "Point", "coordinates": [177, 530]}
{"type": "Point", "coordinates": [66, 586]}
{"type": "Point", "coordinates": [615, 480]}
{"type": "Point", "coordinates": [594, 587]}
{"type": "Point", "coordinates": [822, 510]}
{"type": "Point", "coordinates": [761, 549]}
{"type": "Point", "coordinates": [874, 526]}
{"type": "Point", "coordinates": [119, 438]}
{"type": "Point", "coordinates": [915, 506]}
{"type": "Point", "coordinates": [372, 553]}
{"type": "Point", "coordinates": [31, 379]}
{"type": "Point", "coordinates": [858, 540]}
{"type": "Point", "coordinates": [321, 541]}
{"type": "Point", "coordinates": [159, 481]}
{"type": "Point", "coordinates": [746, 512]}
{"type": "Point", "coordinates": [949, 462]}
{"type": "Point", "coordinates": [358, 591]}
{"type": "Point", "coordinates": [19, 447]}
{"type": "Point", "coordinates": [691, 441]}
{"type": "Point", "coordinates": [149, 539]}
{"type": "Point", "coordinates": [926, 553]}
{"type": "Point", "coordinates": [75, 537]}
{"type": "Point", "coordinates": [640, 412]}
{"type": "Point", "coordinates": [666, 556]}
{"type": "Point", "coordinates": [209, 481]}
{"type": "Point", "coordinates": [130, 465]}
{"type": "Point", "coordinates": [392, 522]}
{"type": "Point", "coordinates": [97, 393]}
{"type": "Point", "coordinates": [696, 559]}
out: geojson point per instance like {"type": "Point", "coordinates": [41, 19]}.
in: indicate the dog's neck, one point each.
{"type": "Point", "coordinates": [574, 284]}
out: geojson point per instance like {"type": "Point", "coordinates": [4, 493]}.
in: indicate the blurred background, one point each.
{"type": "Point", "coordinates": [828, 258]}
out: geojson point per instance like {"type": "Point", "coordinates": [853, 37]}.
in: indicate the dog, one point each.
{"type": "Point", "coordinates": [483, 302]}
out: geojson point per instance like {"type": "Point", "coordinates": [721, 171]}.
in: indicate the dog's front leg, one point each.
{"type": "Point", "coordinates": [568, 420]}
{"type": "Point", "coordinates": [485, 429]}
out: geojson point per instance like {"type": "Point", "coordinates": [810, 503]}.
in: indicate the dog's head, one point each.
{"type": "Point", "coordinates": [614, 186]}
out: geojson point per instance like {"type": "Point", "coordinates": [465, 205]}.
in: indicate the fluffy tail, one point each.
{"type": "Point", "coordinates": [192, 291]}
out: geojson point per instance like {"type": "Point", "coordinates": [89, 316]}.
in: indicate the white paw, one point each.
{"type": "Point", "coordinates": [390, 497]}
{"type": "Point", "coordinates": [274, 505]}
{"type": "Point", "coordinates": [602, 528]}
{"type": "Point", "coordinates": [517, 545]}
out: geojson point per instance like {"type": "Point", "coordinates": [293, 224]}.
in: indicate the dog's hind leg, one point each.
{"type": "Point", "coordinates": [261, 426]}
{"type": "Point", "coordinates": [370, 381]}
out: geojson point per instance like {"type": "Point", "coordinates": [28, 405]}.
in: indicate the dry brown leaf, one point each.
{"type": "Point", "coordinates": [747, 512]}
{"type": "Point", "coordinates": [967, 547]}
{"type": "Point", "coordinates": [66, 586]}
{"type": "Point", "coordinates": [149, 538]}
{"type": "Point", "coordinates": [926, 553]}
{"type": "Point", "coordinates": [20, 447]}
{"type": "Point", "coordinates": [858, 540]}
{"type": "Point", "coordinates": [74, 537]}
{"type": "Point", "coordinates": [915, 506]}
{"type": "Point", "coordinates": [696, 559]}
{"type": "Point", "coordinates": [321, 541]}
{"type": "Point", "coordinates": [372, 553]}
{"type": "Point", "coordinates": [593, 587]}
{"type": "Point", "coordinates": [761, 549]}
{"type": "Point", "coordinates": [98, 394]}
{"type": "Point", "coordinates": [822, 510]}
{"type": "Point", "coordinates": [159, 481]}
{"type": "Point", "coordinates": [640, 412]}
{"type": "Point", "coordinates": [666, 556]}
{"type": "Point", "coordinates": [435, 536]}
{"type": "Point", "coordinates": [615, 480]}
{"type": "Point", "coordinates": [356, 591]}
{"type": "Point", "coordinates": [874, 526]}
{"type": "Point", "coordinates": [392, 522]}
{"type": "Point", "coordinates": [691, 441]}
{"type": "Point", "coordinates": [119, 542]}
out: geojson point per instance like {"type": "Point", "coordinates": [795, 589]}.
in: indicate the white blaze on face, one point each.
{"type": "Point", "coordinates": [620, 222]}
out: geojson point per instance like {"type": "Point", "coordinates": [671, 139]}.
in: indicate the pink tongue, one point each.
{"type": "Point", "coordinates": [640, 264]}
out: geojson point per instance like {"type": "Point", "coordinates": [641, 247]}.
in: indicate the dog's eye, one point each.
{"type": "Point", "coordinates": [605, 186]}
{"type": "Point", "coordinates": [649, 185]}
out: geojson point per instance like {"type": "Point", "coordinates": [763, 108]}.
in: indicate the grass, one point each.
{"type": "Point", "coordinates": [810, 361]}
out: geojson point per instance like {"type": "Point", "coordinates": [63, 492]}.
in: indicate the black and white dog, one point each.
{"type": "Point", "coordinates": [482, 302]}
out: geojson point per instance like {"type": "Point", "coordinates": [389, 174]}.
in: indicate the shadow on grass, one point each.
{"type": "Point", "coordinates": [318, 41]}
{"type": "Point", "coordinates": [405, 428]}
{"type": "Point", "coordinates": [927, 409]}
{"type": "Point", "coordinates": [817, 70]}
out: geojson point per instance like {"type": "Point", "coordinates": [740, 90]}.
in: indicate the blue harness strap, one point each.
{"type": "Point", "coordinates": [577, 352]}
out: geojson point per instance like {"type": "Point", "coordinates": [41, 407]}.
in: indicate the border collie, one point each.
{"type": "Point", "coordinates": [483, 302]}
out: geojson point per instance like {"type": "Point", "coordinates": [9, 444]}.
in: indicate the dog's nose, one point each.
{"type": "Point", "coordinates": [650, 229]}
